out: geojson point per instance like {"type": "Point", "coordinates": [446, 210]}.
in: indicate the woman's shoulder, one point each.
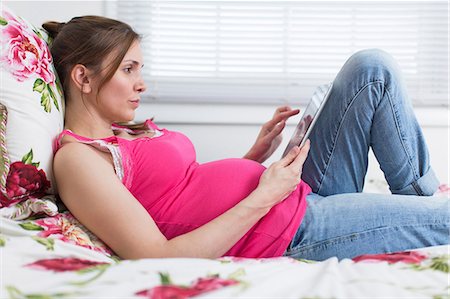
{"type": "Point", "coordinates": [69, 146]}
{"type": "Point", "coordinates": [73, 155]}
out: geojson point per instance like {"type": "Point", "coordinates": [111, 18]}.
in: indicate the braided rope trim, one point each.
{"type": "Point", "coordinates": [4, 158]}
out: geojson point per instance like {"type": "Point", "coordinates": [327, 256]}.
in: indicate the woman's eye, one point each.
{"type": "Point", "coordinates": [127, 69]}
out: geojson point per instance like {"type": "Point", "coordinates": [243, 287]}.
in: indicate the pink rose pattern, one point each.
{"type": "Point", "coordinates": [23, 181]}
{"type": "Point", "coordinates": [25, 55]}
{"type": "Point", "coordinates": [443, 190]}
{"type": "Point", "coordinates": [409, 257]}
{"type": "Point", "coordinates": [170, 291]}
{"type": "Point", "coordinates": [64, 264]}
{"type": "Point", "coordinates": [66, 228]}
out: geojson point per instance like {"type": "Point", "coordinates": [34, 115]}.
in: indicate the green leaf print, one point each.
{"type": "Point", "coordinates": [444, 295]}
{"type": "Point", "coordinates": [48, 95]}
{"type": "Point", "coordinates": [39, 85]}
{"type": "Point", "coordinates": [38, 33]}
{"type": "Point", "coordinates": [440, 263]}
{"type": "Point", "coordinates": [2, 241]}
{"type": "Point", "coordinates": [3, 22]}
{"type": "Point", "coordinates": [53, 96]}
{"type": "Point", "coordinates": [165, 278]}
{"type": "Point", "coordinates": [58, 86]}
{"type": "Point", "coordinates": [28, 158]}
{"type": "Point", "coordinates": [100, 269]}
{"type": "Point", "coordinates": [238, 274]}
{"type": "Point", "coordinates": [15, 293]}
{"type": "Point", "coordinates": [45, 100]}
{"type": "Point", "coordinates": [48, 243]}
{"type": "Point", "coordinates": [30, 226]}
{"type": "Point", "coordinates": [93, 268]}
{"type": "Point", "coordinates": [306, 261]}
{"type": "Point", "coordinates": [116, 259]}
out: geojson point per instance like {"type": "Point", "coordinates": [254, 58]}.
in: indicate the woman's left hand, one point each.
{"type": "Point", "coordinates": [270, 137]}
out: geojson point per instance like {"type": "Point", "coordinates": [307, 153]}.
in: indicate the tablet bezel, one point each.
{"type": "Point", "coordinates": [293, 141]}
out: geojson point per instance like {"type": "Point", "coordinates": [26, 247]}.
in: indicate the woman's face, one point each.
{"type": "Point", "coordinates": [120, 96]}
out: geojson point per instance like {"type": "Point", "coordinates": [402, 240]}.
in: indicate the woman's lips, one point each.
{"type": "Point", "coordinates": [135, 102]}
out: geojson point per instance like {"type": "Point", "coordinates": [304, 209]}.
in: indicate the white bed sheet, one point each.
{"type": "Point", "coordinates": [34, 266]}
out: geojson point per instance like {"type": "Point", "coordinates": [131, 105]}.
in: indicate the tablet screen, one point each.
{"type": "Point", "coordinates": [311, 113]}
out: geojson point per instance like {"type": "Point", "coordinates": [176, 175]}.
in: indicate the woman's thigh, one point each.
{"type": "Point", "coordinates": [348, 225]}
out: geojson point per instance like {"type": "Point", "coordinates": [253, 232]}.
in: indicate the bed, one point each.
{"type": "Point", "coordinates": [56, 257]}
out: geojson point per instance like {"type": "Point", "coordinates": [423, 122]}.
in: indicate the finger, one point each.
{"type": "Point", "coordinates": [288, 111]}
{"type": "Point", "coordinates": [287, 114]}
{"type": "Point", "coordinates": [282, 109]}
{"type": "Point", "coordinates": [290, 157]}
{"type": "Point", "coordinates": [283, 116]}
{"type": "Point", "coordinates": [300, 159]}
{"type": "Point", "coordinates": [276, 130]}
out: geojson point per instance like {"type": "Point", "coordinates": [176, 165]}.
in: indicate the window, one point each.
{"type": "Point", "coordinates": [279, 51]}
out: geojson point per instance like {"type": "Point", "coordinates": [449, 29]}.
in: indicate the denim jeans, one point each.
{"type": "Point", "coordinates": [369, 107]}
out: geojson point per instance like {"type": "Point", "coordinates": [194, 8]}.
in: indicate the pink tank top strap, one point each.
{"type": "Point", "coordinates": [151, 125]}
{"type": "Point", "coordinates": [109, 144]}
{"type": "Point", "coordinates": [72, 134]}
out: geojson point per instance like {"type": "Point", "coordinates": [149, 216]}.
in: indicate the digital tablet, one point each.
{"type": "Point", "coordinates": [309, 117]}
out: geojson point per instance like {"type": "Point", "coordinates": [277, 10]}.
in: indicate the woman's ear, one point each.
{"type": "Point", "coordinates": [81, 77]}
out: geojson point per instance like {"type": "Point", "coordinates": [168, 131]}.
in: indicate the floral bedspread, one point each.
{"type": "Point", "coordinates": [56, 257]}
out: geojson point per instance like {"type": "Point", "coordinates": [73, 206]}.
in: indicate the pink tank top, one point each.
{"type": "Point", "coordinates": [180, 194]}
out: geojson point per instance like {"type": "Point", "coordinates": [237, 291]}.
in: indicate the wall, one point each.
{"type": "Point", "coordinates": [38, 12]}
{"type": "Point", "coordinates": [220, 131]}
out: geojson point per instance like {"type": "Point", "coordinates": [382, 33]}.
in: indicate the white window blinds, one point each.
{"type": "Point", "coordinates": [279, 51]}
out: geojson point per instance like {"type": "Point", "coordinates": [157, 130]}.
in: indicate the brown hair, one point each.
{"type": "Point", "coordinates": [88, 40]}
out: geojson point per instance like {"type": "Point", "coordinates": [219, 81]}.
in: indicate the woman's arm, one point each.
{"type": "Point", "coordinates": [96, 197]}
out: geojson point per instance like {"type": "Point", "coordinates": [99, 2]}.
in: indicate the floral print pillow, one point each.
{"type": "Point", "coordinates": [31, 112]}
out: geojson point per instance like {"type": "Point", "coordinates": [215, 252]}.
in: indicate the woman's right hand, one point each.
{"type": "Point", "coordinates": [281, 178]}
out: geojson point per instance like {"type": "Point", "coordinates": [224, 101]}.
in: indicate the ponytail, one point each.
{"type": "Point", "coordinates": [53, 28]}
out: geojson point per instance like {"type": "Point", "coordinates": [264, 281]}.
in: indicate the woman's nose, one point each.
{"type": "Point", "coordinates": [140, 86]}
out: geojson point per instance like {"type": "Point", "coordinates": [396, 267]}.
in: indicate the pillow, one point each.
{"type": "Point", "coordinates": [32, 207]}
{"type": "Point", "coordinates": [31, 111]}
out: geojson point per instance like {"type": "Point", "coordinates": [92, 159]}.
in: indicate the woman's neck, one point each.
{"type": "Point", "coordinates": [86, 124]}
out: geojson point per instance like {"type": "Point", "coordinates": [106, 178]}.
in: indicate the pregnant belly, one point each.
{"type": "Point", "coordinates": [212, 189]}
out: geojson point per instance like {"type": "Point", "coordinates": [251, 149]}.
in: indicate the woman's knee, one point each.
{"type": "Point", "coordinates": [373, 64]}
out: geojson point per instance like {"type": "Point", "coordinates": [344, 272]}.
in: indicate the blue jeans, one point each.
{"type": "Point", "coordinates": [369, 107]}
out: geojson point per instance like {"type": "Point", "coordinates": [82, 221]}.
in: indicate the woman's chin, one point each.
{"type": "Point", "coordinates": [126, 119]}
